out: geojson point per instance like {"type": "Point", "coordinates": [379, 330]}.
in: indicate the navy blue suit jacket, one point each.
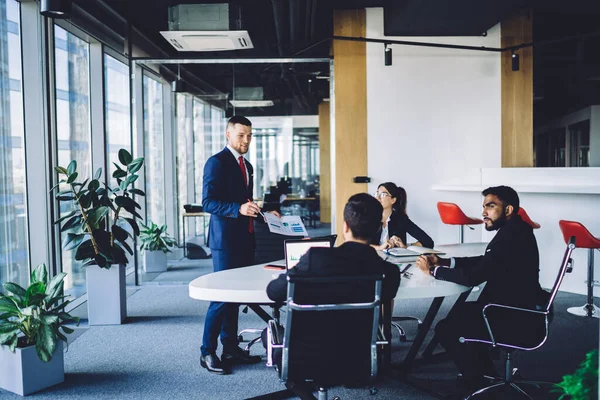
{"type": "Point", "coordinates": [223, 191]}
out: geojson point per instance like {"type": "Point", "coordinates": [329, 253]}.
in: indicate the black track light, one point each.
{"type": "Point", "coordinates": [58, 9]}
{"type": "Point", "coordinates": [387, 50]}
{"type": "Point", "coordinates": [515, 61]}
{"type": "Point", "coordinates": [179, 86]}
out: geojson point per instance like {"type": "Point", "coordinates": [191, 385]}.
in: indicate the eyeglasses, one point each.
{"type": "Point", "coordinates": [381, 195]}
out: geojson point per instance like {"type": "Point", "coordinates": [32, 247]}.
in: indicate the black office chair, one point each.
{"type": "Point", "coordinates": [317, 349]}
{"type": "Point", "coordinates": [527, 336]}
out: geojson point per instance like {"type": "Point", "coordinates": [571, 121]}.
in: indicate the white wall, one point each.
{"type": "Point", "coordinates": [434, 127]}
{"type": "Point", "coordinates": [433, 115]}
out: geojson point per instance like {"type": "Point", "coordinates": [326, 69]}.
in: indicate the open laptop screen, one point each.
{"type": "Point", "coordinates": [294, 249]}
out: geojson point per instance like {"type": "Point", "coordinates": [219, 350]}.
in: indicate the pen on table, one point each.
{"type": "Point", "coordinates": [259, 211]}
{"type": "Point", "coordinates": [406, 268]}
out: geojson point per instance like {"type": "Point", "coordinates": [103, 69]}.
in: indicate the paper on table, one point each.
{"type": "Point", "coordinates": [289, 225]}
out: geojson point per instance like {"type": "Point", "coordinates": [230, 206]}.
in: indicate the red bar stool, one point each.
{"type": "Point", "coordinates": [528, 220]}
{"type": "Point", "coordinates": [585, 240]}
{"type": "Point", "coordinates": [451, 214]}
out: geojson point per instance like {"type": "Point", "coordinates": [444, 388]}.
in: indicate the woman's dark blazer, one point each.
{"type": "Point", "coordinates": [400, 225]}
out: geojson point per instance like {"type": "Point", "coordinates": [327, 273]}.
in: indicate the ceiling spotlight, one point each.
{"type": "Point", "coordinates": [387, 50]}
{"type": "Point", "coordinates": [58, 9]}
{"type": "Point", "coordinates": [515, 61]}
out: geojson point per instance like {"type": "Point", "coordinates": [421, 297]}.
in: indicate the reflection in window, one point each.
{"type": "Point", "coordinates": [13, 212]}
{"type": "Point", "coordinates": [72, 125]}
{"type": "Point", "coordinates": [153, 151]}
{"type": "Point", "coordinates": [579, 144]}
{"type": "Point", "coordinates": [117, 112]}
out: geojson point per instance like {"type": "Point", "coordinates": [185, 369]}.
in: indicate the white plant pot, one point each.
{"type": "Point", "coordinates": [155, 261]}
{"type": "Point", "coordinates": [106, 295]}
{"type": "Point", "coordinates": [23, 373]}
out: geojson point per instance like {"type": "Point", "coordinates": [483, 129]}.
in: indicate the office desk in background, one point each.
{"type": "Point", "coordinates": [194, 215]}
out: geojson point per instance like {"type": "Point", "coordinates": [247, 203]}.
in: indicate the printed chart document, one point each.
{"type": "Point", "coordinates": [290, 225]}
{"type": "Point", "coordinates": [412, 251]}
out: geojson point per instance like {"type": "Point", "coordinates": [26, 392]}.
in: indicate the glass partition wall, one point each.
{"type": "Point", "coordinates": [281, 101]}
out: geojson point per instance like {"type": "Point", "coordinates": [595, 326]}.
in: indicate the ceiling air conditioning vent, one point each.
{"type": "Point", "coordinates": [208, 40]}
{"type": "Point", "coordinates": [206, 27]}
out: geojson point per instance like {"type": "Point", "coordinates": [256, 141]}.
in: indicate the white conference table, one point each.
{"type": "Point", "coordinates": [247, 285]}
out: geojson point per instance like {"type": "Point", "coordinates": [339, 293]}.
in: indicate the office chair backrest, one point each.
{"type": "Point", "coordinates": [561, 272]}
{"type": "Point", "coordinates": [331, 329]}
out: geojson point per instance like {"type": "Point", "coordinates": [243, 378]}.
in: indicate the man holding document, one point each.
{"type": "Point", "coordinates": [227, 195]}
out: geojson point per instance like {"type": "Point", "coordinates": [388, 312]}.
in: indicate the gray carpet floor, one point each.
{"type": "Point", "coordinates": [155, 355]}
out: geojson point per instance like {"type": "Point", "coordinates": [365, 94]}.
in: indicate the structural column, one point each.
{"type": "Point", "coordinates": [325, 162]}
{"type": "Point", "coordinates": [517, 93]}
{"type": "Point", "coordinates": [349, 135]}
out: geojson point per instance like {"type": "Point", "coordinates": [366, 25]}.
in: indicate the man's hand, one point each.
{"type": "Point", "coordinates": [249, 209]}
{"type": "Point", "coordinates": [397, 242]}
{"type": "Point", "coordinates": [424, 262]}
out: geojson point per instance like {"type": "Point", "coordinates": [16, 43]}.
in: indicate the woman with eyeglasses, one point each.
{"type": "Point", "coordinates": [395, 224]}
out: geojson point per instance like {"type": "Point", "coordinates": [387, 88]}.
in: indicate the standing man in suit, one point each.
{"type": "Point", "coordinates": [227, 196]}
{"type": "Point", "coordinates": [510, 266]}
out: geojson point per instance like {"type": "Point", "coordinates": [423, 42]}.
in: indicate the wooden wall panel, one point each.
{"type": "Point", "coordinates": [325, 161]}
{"type": "Point", "coordinates": [517, 93]}
{"type": "Point", "coordinates": [350, 86]}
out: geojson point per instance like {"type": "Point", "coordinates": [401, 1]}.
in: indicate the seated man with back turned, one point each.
{"type": "Point", "coordinates": [362, 220]}
{"type": "Point", "coordinates": [510, 266]}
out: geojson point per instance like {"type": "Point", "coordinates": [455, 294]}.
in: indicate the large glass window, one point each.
{"type": "Point", "coordinates": [13, 212]}
{"type": "Point", "coordinates": [116, 111]}
{"type": "Point", "coordinates": [185, 160]}
{"type": "Point", "coordinates": [72, 125]}
{"type": "Point", "coordinates": [153, 151]}
{"type": "Point", "coordinates": [200, 152]}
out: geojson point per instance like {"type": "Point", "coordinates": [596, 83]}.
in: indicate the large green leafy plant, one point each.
{"type": "Point", "coordinates": [583, 384]}
{"type": "Point", "coordinates": [95, 227]}
{"type": "Point", "coordinates": [155, 238]}
{"type": "Point", "coordinates": [35, 316]}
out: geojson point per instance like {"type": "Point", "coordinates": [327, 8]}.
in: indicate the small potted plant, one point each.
{"type": "Point", "coordinates": [33, 320]}
{"type": "Point", "coordinates": [100, 233]}
{"type": "Point", "coordinates": [583, 384]}
{"type": "Point", "coordinates": [155, 243]}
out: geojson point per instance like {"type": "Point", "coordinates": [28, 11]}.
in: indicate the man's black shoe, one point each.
{"type": "Point", "coordinates": [237, 355]}
{"type": "Point", "coordinates": [212, 363]}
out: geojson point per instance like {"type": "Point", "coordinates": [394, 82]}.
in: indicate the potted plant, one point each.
{"type": "Point", "coordinates": [155, 243]}
{"type": "Point", "coordinates": [100, 234]}
{"type": "Point", "coordinates": [33, 320]}
{"type": "Point", "coordinates": [583, 384]}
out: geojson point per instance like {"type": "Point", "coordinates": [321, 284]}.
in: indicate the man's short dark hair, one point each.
{"type": "Point", "coordinates": [363, 213]}
{"type": "Point", "coordinates": [506, 194]}
{"type": "Point", "coordinates": [238, 119]}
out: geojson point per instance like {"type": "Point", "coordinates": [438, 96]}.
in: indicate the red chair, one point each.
{"type": "Point", "coordinates": [451, 214]}
{"type": "Point", "coordinates": [526, 218]}
{"type": "Point", "coordinates": [585, 240]}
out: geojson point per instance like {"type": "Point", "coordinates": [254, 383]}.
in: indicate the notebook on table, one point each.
{"type": "Point", "coordinates": [412, 251]}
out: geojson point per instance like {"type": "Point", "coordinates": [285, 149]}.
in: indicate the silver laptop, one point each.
{"type": "Point", "coordinates": [296, 248]}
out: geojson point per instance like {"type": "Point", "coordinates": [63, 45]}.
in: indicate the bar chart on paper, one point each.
{"type": "Point", "coordinates": [290, 225]}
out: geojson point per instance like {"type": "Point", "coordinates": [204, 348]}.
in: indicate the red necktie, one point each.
{"type": "Point", "coordinates": [243, 168]}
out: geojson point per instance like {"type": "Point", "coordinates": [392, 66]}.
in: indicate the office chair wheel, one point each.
{"type": "Point", "coordinates": [336, 398]}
